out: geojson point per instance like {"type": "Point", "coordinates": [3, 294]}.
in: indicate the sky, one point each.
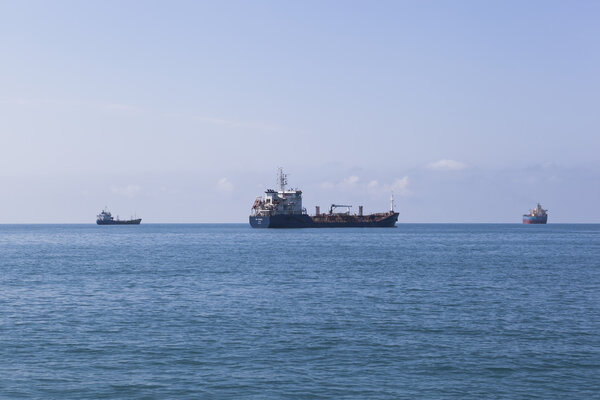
{"type": "Point", "coordinates": [182, 111]}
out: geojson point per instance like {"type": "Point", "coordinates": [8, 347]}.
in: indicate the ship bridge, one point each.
{"type": "Point", "coordinates": [283, 201]}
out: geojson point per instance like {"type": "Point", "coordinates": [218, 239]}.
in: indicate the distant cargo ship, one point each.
{"type": "Point", "coordinates": [106, 218]}
{"type": "Point", "coordinates": [283, 209]}
{"type": "Point", "coordinates": [536, 216]}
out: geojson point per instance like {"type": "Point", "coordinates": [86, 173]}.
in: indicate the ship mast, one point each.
{"type": "Point", "coordinates": [282, 178]}
{"type": "Point", "coordinates": [392, 202]}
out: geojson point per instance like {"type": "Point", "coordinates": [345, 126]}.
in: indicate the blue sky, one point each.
{"type": "Point", "coordinates": [182, 111]}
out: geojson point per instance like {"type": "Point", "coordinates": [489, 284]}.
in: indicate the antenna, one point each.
{"type": "Point", "coordinates": [282, 178]}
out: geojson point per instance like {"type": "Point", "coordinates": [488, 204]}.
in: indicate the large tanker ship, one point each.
{"type": "Point", "coordinates": [536, 216]}
{"type": "Point", "coordinates": [106, 218]}
{"type": "Point", "coordinates": [283, 209]}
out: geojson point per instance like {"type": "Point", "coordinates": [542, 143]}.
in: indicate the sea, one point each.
{"type": "Point", "coordinates": [222, 311]}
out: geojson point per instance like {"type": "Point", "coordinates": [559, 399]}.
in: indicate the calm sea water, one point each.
{"type": "Point", "coordinates": [224, 311]}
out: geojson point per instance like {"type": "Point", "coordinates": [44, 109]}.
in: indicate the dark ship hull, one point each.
{"type": "Point", "coordinates": [384, 220]}
{"type": "Point", "coordinates": [529, 219]}
{"type": "Point", "coordinates": [120, 222]}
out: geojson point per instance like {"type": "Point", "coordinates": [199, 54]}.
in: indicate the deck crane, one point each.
{"type": "Point", "coordinates": [339, 206]}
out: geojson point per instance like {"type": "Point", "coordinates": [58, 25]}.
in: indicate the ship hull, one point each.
{"type": "Point", "coordinates": [306, 221]}
{"type": "Point", "coordinates": [527, 219]}
{"type": "Point", "coordinates": [119, 222]}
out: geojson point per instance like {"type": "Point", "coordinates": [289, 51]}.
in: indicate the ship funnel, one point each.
{"type": "Point", "coordinates": [317, 210]}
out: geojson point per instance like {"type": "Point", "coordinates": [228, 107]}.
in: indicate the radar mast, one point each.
{"type": "Point", "coordinates": [282, 178]}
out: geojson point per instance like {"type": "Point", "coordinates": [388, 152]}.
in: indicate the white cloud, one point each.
{"type": "Point", "coordinates": [399, 186]}
{"type": "Point", "coordinates": [224, 185]}
{"type": "Point", "coordinates": [127, 191]}
{"type": "Point", "coordinates": [348, 183]}
{"type": "Point", "coordinates": [353, 184]}
{"type": "Point", "coordinates": [351, 180]}
{"type": "Point", "coordinates": [447, 165]}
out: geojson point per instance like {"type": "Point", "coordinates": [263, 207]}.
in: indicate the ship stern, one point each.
{"type": "Point", "coordinates": [259, 222]}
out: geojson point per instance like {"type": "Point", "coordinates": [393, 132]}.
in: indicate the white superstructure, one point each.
{"type": "Point", "coordinates": [537, 212]}
{"type": "Point", "coordinates": [281, 202]}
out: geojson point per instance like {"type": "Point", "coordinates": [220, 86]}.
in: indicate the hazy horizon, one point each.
{"type": "Point", "coordinates": [182, 112]}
